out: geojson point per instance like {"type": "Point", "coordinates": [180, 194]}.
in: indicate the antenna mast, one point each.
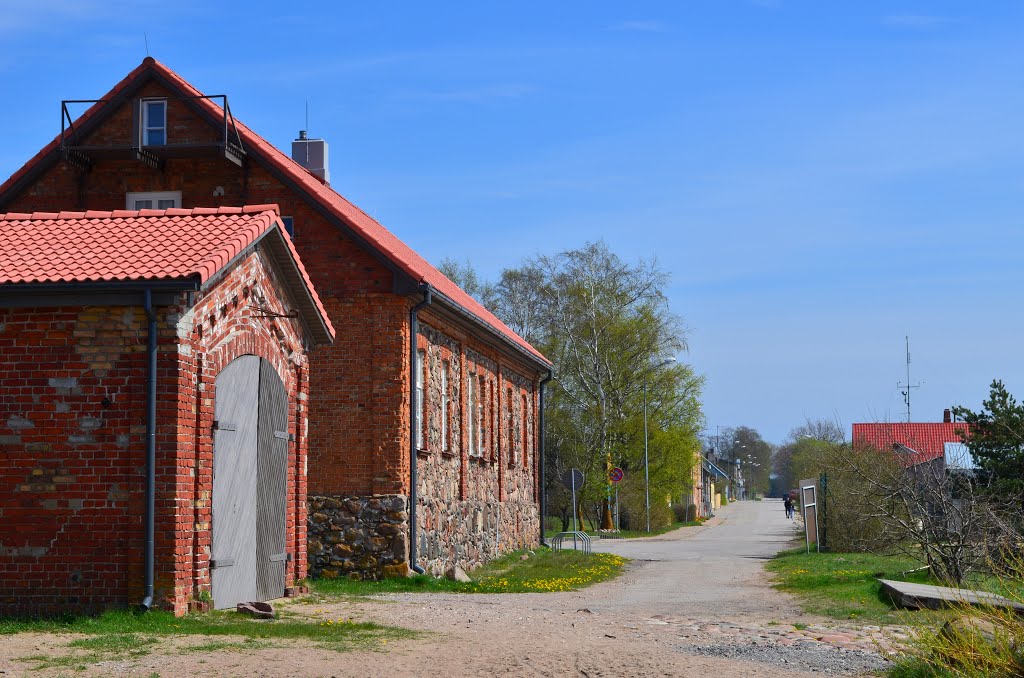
{"type": "Point", "coordinates": [906, 387]}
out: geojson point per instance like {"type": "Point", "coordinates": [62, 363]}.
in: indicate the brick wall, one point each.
{"type": "Point", "coordinates": [72, 442]}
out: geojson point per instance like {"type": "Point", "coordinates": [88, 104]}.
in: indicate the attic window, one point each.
{"type": "Point", "coordinates": [153, 200]}
{"type": "Point", "coordinates": [154, 122]}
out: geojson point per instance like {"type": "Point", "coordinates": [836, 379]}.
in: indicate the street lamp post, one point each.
{"type": "Point", "coordinates": [647, 473]}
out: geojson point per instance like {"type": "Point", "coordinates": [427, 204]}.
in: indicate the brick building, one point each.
{"type": "Point", "coordinates": [425, 413]}
{"type": "Point", "coordinates": [157, 346]}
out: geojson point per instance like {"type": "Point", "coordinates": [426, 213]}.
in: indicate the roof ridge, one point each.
{"type": "Point", "coordinates": [131, 214]}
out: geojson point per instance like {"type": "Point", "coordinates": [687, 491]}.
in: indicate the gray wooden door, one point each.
{"type": "Point", "coordinates": [236, 411]}
{"type": "Point", "coordinates": [250, 483]}
{"type": "Point", "coordinates": [271, 485]}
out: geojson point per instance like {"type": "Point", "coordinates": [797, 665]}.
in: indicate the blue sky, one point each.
{"type": "Point", "coordinates": [820, 179]}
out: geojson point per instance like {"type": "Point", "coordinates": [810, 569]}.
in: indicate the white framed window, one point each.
{"type": "Point", "coordinates": [154, 122]}
{"type": "Point", "coordinates": [153, 200]}
{"type": "Point", "coordinates": [526, 432]}
{"type": "Point", "coordinates": [445, 403]}
{"type": "Point", "coordinates": [421, 365]}
{"type": "Point", "coordinates": [481, 439]}
{"type": "Point", "coordinates": [471, 405]}
{"type": "Point", "coordinates": [510, 414]}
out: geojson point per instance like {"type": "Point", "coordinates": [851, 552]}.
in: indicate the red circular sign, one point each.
{"type": "Point", "coordinates": [615, 475]}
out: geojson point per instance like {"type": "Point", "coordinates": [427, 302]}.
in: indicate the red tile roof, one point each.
{"type": "Point", "coordinates": [364, 226]}
{"type": "Point", "coordinates": [147, 245]}
{"type": "Point", "coordinates": [927, 440]}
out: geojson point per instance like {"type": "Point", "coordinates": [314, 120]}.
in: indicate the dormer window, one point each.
{"type": "Point", "coordinates": [154, 122]}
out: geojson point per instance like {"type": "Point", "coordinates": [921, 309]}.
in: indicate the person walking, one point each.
{"type": "Point", "coordinates": [787, 504]}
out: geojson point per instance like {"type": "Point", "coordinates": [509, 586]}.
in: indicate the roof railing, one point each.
{"type": "Point", "coordinates": [84, 156]}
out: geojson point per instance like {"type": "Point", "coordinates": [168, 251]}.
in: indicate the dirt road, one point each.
{"type": "Point", "coordinates": [692, 603]}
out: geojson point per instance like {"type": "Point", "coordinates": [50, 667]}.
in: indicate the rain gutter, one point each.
{"type": "Point", "coordinates": [543, 486]}
{"type": "Point", "coordinates": [150, 515]}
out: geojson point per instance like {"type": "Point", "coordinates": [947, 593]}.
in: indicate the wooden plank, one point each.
{"type": "Point", "coordinates": [234, 484]}
{"type": "Point", "coordinates": [917, 596]}
{"type": "Point", "coordinates": [271, 485]}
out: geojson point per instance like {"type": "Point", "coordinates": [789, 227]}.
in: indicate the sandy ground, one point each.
{"type": "Point", "coordinates": [693, 603]}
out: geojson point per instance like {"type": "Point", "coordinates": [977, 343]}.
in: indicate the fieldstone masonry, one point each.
{"type": "Point", "coordinates": [358, 537]}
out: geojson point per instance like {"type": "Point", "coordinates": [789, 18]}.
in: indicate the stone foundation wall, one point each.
{"type": "Point", "coordinates": [358, 537]}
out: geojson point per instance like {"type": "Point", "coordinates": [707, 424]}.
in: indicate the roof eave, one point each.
{"type": "Point", "coordinates": [317, 324]}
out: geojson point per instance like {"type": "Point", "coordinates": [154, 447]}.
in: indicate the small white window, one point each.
{"type": "Point", "coordinates": [470, 423]}
{"type": "Point", "coordinates": [421, 364]}
{"type": "Point", "coordinates": [154, 200]}
{"type": "Point", "coordinates": [481, 440]}
{"type": "Point", "coordinates": [154, 122]}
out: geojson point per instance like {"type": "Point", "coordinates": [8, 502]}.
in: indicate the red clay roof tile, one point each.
{"type": "Point", "coordinates": [927, 439]}
{"type": "Point", "coordinates": [148, 245]}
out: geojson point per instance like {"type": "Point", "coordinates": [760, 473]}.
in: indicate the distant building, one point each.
{"type": "Point", "coordinates": [918, 443]}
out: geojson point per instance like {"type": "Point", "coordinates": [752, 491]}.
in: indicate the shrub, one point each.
{"type": "Point", "coordinates": [980, 641]}
{"type": "Point", "coordinates": [684, 513]}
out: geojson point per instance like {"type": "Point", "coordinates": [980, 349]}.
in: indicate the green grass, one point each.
{"type": "Point", "coordinates": [127, 635]}
{"type": "Point", "coordinates": [541, 572]}
{"type": "Point", "coordinates": [843, 585]}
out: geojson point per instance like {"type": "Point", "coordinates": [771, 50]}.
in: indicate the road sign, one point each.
{"type": "Point", "coordinates": [615, 475]}
{"type": "Point", "coordinates": [573, 479]}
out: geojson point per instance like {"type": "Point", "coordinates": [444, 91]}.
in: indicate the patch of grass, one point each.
{"type": "Point", "coordinates": [544, 571]}
{"type": "Point", "coordinates": [94, 649]}
{"type": "Point", "coordinates": [843, 585]}
{"type": "Point", "coordinates": [126, 635]}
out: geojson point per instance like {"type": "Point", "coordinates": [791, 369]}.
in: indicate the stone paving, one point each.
{"type": "Point", "coordinates": [879, 639]}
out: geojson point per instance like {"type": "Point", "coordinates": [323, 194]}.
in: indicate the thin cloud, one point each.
{"type": "Point", "coordinates": [639, 26]}
{"type": "Point", "coordinates": [916, 21]}
{"type": "Point", "coordinates": [20, 15]}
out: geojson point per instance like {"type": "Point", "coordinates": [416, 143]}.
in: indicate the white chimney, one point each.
{"type": "Point", "coordinates": [311, 154]}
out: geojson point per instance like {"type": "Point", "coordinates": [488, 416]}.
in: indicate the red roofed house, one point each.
{"type": "Point", "coordinates": [425, 413]}
{"type": "Point", "coordinates": [136, 347]}
{"type": "Point", "coordinates": [918, 443]}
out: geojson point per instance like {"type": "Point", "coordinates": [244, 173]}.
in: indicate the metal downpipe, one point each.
{"type": "Point", "coordinates": [414, 422]}
{"type": "Point", "coordinates": [150, 515]}
{"type": "Point", "coordinates": [543, 486]}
